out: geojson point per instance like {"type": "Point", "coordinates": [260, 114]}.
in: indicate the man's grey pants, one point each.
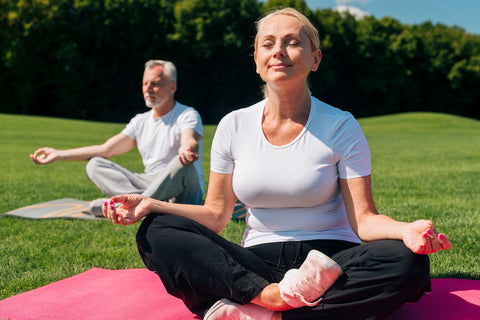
{"type": "Point", "coordinates": [177, 181]}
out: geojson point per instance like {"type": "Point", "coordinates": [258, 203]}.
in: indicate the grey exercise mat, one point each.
{"type": "Point", "coordinates": [60, 208]}
{"type": "Point", "coordinates": [78, 209]}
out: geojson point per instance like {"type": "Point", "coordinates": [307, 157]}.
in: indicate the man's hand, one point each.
{"type": "Point", "coordinates": [45, 156]}
{"type": "Point", "coordinates": [422, 238]}
{"type": "Point", "coordinates": [187, 155]}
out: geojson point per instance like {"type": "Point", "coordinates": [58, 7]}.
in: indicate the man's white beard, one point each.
{"type": "Point", "coordinates": [155, 104]}
{"type": "Point", "coordinates": [150, 104]}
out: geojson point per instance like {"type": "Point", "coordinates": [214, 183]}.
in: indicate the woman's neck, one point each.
{"type": "Point", "coordinates": [285, 115]}
{"type": "Point", "coordinates": [287, 104]}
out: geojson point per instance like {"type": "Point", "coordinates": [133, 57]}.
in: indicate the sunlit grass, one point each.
{"type": "Point", "coordinates": [425, 165]}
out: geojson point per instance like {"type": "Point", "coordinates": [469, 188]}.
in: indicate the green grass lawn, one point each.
{"type": "Point", "coordinates": [425, 165]}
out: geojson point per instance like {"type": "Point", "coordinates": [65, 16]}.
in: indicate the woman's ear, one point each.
{"type": "Point", "coordinates": [317, 58]}
{"type": "Point", "coordinates": [255, 59]}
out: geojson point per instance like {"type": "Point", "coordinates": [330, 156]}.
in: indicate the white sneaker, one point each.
{"type": "Point", "coordinates": [228, 310]}
{"type": "Point", "coordinates": [304, 286]}
{"type": "Point", "coordinates": [96, 207]}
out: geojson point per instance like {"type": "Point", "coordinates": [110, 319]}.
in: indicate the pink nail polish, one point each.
{"type": "Point", "coordinates": [425, 235]}
{"type": "Point", "coordinates": [117, 215]}
{"type": "Point", "coordinates": [112, 207]}
{"type": "Point", "coordinates": [105, 204]}
{"type": "Point", "coordinates": [441, 236]}
{"type": "Point", "coordinates": [111, 202]}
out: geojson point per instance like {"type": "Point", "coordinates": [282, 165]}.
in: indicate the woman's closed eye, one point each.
{"type": "Point", "coordinates": [293, 43]}
{"type": "Point", "coordinates": [268, 45]}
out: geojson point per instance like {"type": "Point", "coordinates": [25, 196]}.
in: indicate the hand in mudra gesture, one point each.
{"type": "Point", "coordinates": [133, 208]}
{"type": "Point", "coordinates": [422, 238]}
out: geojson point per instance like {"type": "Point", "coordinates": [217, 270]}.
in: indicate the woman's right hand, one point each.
{"type": "Point", "coordinates": [133, 208]}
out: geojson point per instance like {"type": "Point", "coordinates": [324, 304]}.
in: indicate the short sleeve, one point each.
{"type": "Point", "coordinates": [132, 127]}
{"type": "Point", "coordinates": [352, 148]}
{"type": "Point", "coordinates": [221, 160]}
{"type": "Point", "coordinates": [190, 119]}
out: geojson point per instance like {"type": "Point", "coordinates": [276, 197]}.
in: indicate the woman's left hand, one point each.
{"type": "Point", "coordinates": [421, 237]}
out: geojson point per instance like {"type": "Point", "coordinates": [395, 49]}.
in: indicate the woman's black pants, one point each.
{"type": "Point", "coordinates": [200, 267]}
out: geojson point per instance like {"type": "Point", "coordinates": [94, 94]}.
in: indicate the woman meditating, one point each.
{"type": "Point", "coordinates": [315, 246]}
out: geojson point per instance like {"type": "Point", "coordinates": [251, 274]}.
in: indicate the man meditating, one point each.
{"type": "Point", "coordinates": [168, 137]}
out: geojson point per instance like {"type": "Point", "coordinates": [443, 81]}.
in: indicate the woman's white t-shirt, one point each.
{"type": "Point", "coordinates": [292, 192]}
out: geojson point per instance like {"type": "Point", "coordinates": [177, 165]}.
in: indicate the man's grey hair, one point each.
{"type": "Point", "coordinates": [169, 68]}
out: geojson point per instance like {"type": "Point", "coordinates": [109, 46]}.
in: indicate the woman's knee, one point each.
{"type": "Point", "coordinates": [392, 257]}
{"type": "Point", "coordinates": [417, 270]}
{"type": "Point", "coordinates": [162, 234]}
{"type": "Point", "coordinates": [416, 265]}
{"type": "Point", "coordinates": [149, 241]}
{"type": "Point", "coordinates": [413, 271]}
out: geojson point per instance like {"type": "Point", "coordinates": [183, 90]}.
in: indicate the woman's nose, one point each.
{"type": "Point", "coordinates": [278, 50]}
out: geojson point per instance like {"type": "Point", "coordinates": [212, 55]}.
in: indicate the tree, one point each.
{"type": "Point", "coordinates": [84, 58]}
{"type": "Point", "coordinates": [465, 80]}
{"type": "Point", "coordinates": [300, 5]}
{"type": "Point", "coordinates": [216, 70]}
{"type": "Point", "coordinates": [334, 81]}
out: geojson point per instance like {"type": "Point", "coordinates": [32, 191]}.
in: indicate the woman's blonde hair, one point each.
{"type": "Point", "coordinates": [309, 28]}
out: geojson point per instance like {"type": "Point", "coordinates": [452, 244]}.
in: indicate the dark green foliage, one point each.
{"type": "Point", "coordinates": [84, 58]}
{"type": "Point", "coordinates": [212, 39]}
{"type": "Point", "coordinates": [80, 59]}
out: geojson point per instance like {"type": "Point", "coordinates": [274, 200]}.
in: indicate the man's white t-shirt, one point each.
{"type": "Point", "coordinates": [292, 192]}
{"type": "Point", "coordinates": [158, 140]}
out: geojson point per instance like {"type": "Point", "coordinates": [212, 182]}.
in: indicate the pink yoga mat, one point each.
{"type": "Point", "coordinates": [98, 294]}
{"type": "Point", "coordinates": [451, 299]}
{"type": "Point", "coordinates": [137, 294]}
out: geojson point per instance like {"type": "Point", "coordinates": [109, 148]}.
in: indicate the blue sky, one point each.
{"type": "Point", "coordinates": [463, 13]}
